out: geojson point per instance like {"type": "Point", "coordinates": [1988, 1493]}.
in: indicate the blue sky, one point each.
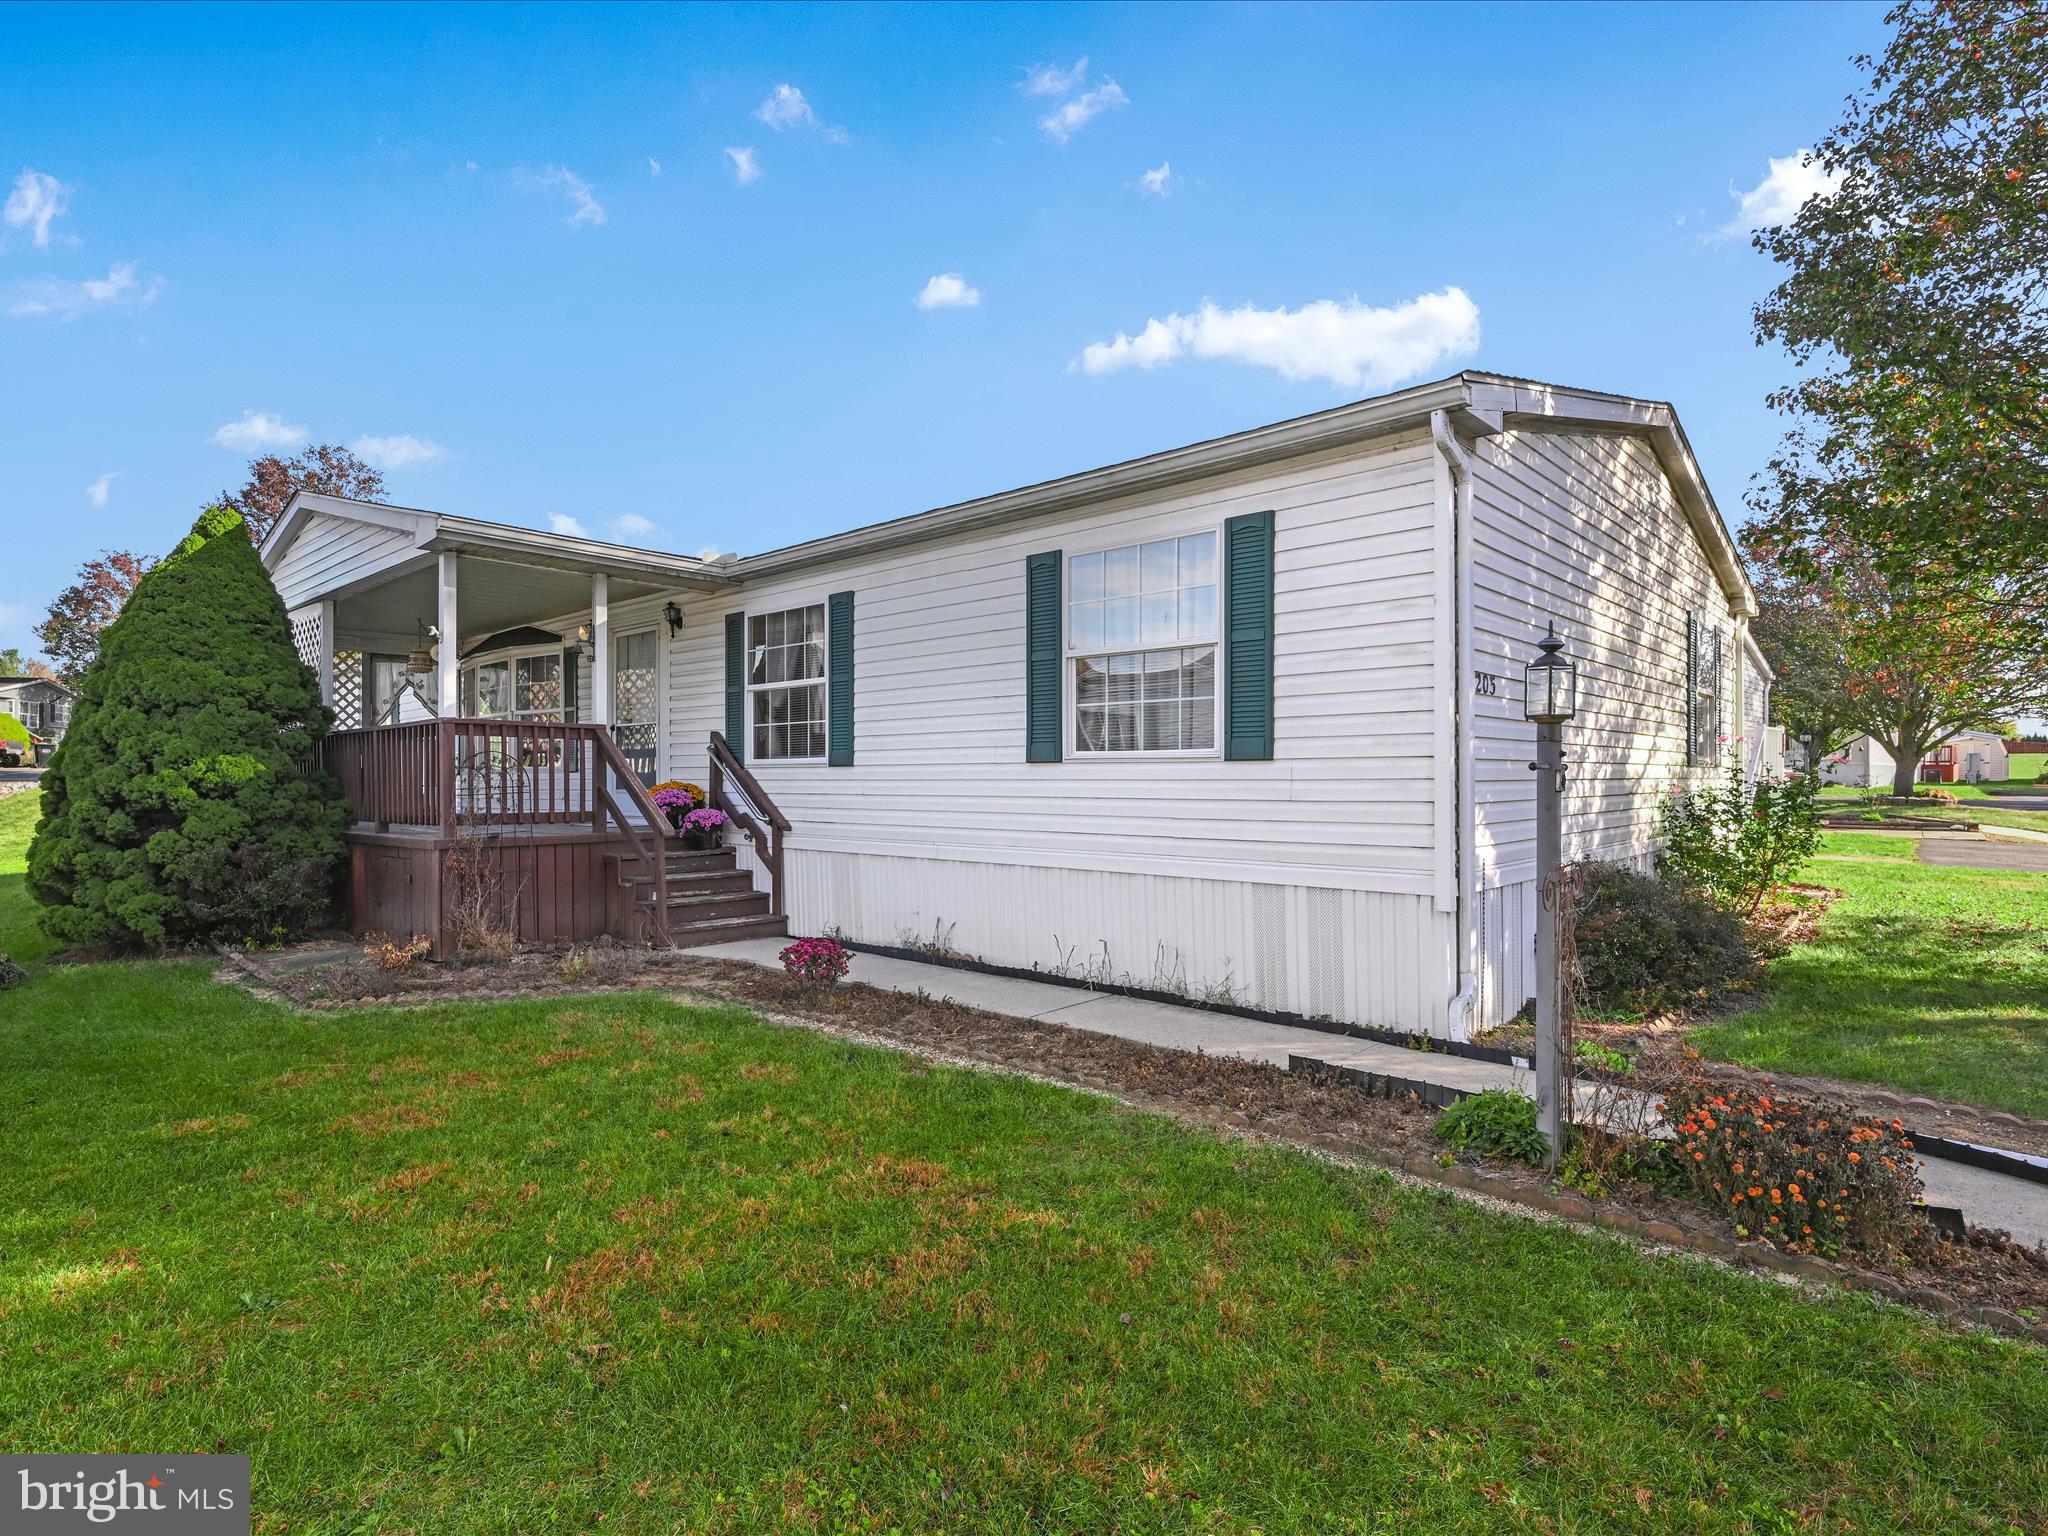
{"type": "Point", "coordinates": [443, 231]}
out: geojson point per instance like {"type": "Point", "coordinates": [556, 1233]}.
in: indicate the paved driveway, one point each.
{"type": "Point", "coordinates": [2026, 802]}
{"type": "Point", "coordinates": [1969, 853]}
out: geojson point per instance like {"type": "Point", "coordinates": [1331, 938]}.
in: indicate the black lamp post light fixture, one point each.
{"type": "Point", "coordinates": [1550, 683]}
{"type": "Point", "coordinates": [674, 617]}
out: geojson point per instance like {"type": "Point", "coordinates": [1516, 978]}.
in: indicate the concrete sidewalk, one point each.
{"type": "Point", "coordinates": [1987, 1199]}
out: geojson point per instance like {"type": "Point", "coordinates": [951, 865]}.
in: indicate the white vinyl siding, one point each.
{"type": "Point", "coordinates": [331, 552]}
{"type": "Point", "coordinates": [942, 821]}
{"type": "Point", "coordinates": [1584, 529]}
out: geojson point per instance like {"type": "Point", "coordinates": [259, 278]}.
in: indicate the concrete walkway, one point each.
{"type": "Point", "coordinates": [1987, 1199]}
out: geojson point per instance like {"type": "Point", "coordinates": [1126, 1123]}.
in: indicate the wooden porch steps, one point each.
{"type": "Point", "coordinates": [711, 900]}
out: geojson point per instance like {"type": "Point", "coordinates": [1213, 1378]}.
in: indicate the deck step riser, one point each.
{"type": "Point", "coordinates": [712, 909]}
{"type": "Point", "coordinates": [694, 885]}
{"type": "Point", "coordinates": [681, 937]}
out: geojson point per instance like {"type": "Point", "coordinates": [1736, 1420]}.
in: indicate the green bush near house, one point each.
{"type": "Point", "coordinates": [13, 731]}
{"type": "Point", "coordinates": [182, 806]}
{"type": "Point", "coordinates": [1646, 945]}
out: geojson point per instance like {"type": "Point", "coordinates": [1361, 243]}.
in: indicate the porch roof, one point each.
{"type": "Point", "coordinates": [383, 579]}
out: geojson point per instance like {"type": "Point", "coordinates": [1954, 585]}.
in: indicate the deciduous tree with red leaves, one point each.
{"type": "Point", "coordinates": [325, 467]}
{"type": "Point", "coordinates": [71, 631]}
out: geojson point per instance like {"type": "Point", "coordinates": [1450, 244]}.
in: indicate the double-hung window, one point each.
{"type": "Point", "coordinates": [1141, 640]}
{"type": "Point", "coordinates": [786, 682]}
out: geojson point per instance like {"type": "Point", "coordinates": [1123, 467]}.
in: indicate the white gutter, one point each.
{"type": "Point", "coordinates": [1458, 1016]}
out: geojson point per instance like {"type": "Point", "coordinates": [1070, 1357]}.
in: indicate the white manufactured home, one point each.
{"type": "Point", "coordinates": [1241, 719]}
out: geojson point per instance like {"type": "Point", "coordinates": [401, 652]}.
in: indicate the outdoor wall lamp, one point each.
{"type": "Point", "coordinates": [674, 616]}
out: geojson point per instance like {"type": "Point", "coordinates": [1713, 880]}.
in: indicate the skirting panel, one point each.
{"type": "Point", "coordinates": [1353, 956]}
{"type": "Point", "coordinates": [1507, 951]}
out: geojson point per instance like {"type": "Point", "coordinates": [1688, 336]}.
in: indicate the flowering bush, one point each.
{"type": "Point", "coordinates": [675, 796]}
{"type": "Point", "coordinates": [1799, 1174]}
{"type": "Point", "coordinates": [706, 820]}
{"type": "Point", "coordinates": [817, 962]}
{"type": "Point", "coordinates": [1736, 840]}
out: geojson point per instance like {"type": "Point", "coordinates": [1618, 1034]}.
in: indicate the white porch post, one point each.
{"type": "Point", "coordinates": [600, 712]}
{"type": "Point", "coordinates": [323, 662]}
{"type": "Point", "coordinates": [446, 702]}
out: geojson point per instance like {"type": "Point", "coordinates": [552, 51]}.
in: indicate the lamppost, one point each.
{"type": "Point", "coordinates": [1550, 696]}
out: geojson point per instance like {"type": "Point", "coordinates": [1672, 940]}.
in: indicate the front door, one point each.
{"type": "Point", "coordinates": [635, 703]}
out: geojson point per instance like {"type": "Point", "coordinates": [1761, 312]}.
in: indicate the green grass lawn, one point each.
{"type": "Point", "coordinates": [525, 1267]}
{"type": "Point", "coordinates": [1931, 980]}
{"type": "Point", "coordinates": [2026, 766]}
{"type": "Point", "coordinates": [20, 939]}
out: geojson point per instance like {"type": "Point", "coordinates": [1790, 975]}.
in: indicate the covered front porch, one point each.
{"type": "Point", "coordinates": [500, 700]}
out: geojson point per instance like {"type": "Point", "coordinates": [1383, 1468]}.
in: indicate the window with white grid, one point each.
{"type": "Point", "coordinates": [1141, 646]}
{"type": "Point", "coordinates": [786, 682]}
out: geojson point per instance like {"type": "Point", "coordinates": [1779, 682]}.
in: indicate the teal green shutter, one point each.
{"type": "Point", "coordinates": [1042, 658]}
{"type": "Point", "coordinates": [839, 679]}
{"type": "Point", "coordinates": [1248, 636]}
{"type": "Point", "coordinates": [736, 684]}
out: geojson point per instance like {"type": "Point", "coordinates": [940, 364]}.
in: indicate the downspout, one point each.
{"type": "Point", "coordinates": [1460, 1014]}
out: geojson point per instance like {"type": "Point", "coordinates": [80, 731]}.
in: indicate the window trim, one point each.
{"type": "Point", "coordinates": [1703, 720]}
{"type": "Point", "coordinates": [1070, 752]}
{"type": "Point", "coordinates": [513, 655]}
{"type": "Point", "coordinates": [822, 681]}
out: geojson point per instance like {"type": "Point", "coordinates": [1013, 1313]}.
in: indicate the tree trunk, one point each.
{"type": "Point", "coordinates": [1903, 770]}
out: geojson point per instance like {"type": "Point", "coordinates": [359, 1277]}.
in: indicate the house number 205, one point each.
{"type": "Point", "coordinates": [1485, 685]}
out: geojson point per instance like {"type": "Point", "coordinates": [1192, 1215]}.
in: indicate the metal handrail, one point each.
{"type": "Point", "coordinates": [769, 839]}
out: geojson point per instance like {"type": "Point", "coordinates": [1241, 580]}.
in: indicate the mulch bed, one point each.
{"type": "Point", "coordinates": [1327, 1113]}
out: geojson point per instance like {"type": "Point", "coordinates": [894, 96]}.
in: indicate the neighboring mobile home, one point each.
{"type": "Point", "coordinates": [1240, 720]}
{"type": "Point", "coordinates": [1973, 757]}
{"type": "Point", "coordinates": [40, 703]}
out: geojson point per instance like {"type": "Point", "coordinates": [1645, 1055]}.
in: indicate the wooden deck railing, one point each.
{"type": "Point", "coordinates": [455, 774]}
{"type": "Point", "coordinates": [752, 810]}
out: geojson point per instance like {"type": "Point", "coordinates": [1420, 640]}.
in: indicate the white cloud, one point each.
{"type": "Point", "coordinates": [1158, 182]}
{"type": "Point", "coordinates": [632, 526]}
{"type": "Point", "coordinates": [585, 208]}
{"type": "Point", "coordinates": [399, 451]}
{"type": "Point", "coordinates": [96, 493]}
{"type": "Point", "coordinates": [786, 108]}
{"type": "Point", "coordinates": [1051, 80]}
{"type": "Point", "coordinates": [949, 290]}
{"type": "Point", "coordinates": [121, 288]}
{"type": "Point", "coordinates": [36, 200]}
{"type": "Point", "coordinates": [653, 166]}
{"type": "Point", "coordinates": [1353, 345]}
{"type": "Point", "coordinates": [561, 522]}
{"type": "Point", "coordinates": [259, 429]}
{"type": "Point", "coordinates": [746, 170]}
{"type": "Point", "coordinates": [1075, 113]}
{"type": "Point", "coordinates": [1777, 199]}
